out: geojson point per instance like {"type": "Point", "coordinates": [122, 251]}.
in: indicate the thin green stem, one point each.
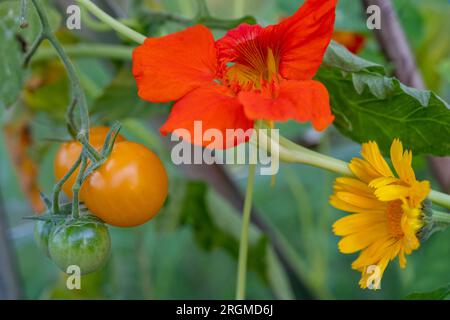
{"type": "Point", "coordinates": [113, 23]}
{"type": "Point", "coordinates": [292, 153]}
{"type": "Point", "coordinates": [46, 200]}
{"type": "Point", "coordinates": [439, 198]}
{"type": "Point", "coordinates": [76, 90]}
{"type": "Point", "coordinates": [111, 140]}
{"type": "Point", "coordinates": [77, 186]}
{"type": "Point", "coordinates": [70, 119]}
{"type": "Point", "coordinates": [243, 244]}
{"type": "Point", "coordinates": [92, 50]}
{"type": "Point", "coordinates": [93, 24]}
{"type": "Point", "coordinates": [58, 186]}
{"type": "Point", "coordinates": [32, 50]}
{"type": "Point", "coordinates": [91, 152]}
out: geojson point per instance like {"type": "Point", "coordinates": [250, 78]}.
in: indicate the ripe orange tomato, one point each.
{"type": "Point", "coordinates": [69, 152]}
{"type": "Point", "coordinates": [129, 188]}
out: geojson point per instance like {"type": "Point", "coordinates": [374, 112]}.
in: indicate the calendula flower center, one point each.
{"type": "Point", "coordinates": [394, 214]}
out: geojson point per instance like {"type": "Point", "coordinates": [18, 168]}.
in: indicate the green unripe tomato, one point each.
{"type": "Point", "coordinates": [84, 242]}
{"type": "Point", "coordinates": [42, 230]}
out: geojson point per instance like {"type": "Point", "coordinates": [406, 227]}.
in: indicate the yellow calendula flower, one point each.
{"type": "Point", "coordinates": [386, 211]}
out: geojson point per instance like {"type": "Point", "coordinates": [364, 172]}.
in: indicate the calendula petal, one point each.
{"type": "Point", "coordinates": [382, 181]}
{"type": "Point", "coordinates": [358, 200]}
{"type": "Point", "coordinates": [355, 222]}
{"type": "Point", "coordinates": [386, 211]}
{"type": "Point", "coordinates": [419, 192]}
{"type": "Point", "coordinates": [392, 192]}
{"type": "Point", "coordinates": [374, 253]}
{"type": "Point", "coordinates": [363, 170]}
{"type": "Point", "coordinates": [371, 153]}
{"type": "Point", "coordinates": [360, 240]}
{"type": "Point", "coordinates": [402, 162]}
{"type": "Point", "coordinates": [354, 185]}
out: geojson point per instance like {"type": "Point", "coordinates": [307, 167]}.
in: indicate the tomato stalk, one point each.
{"type": "Point", "coordinates": [76, 90]}
{"type": "Point", "coordinates": [58, 186]}
{"type": "Point", "coordinates": [111, 140]}
{"type": "Point", "coordinates": [46, 201]}
{"type": "Point", "coordinates": [70, 119]}
{"type": "Point", "coordinates": [91, 152]}
{"type": "Point", "coordinates": [77, 186]}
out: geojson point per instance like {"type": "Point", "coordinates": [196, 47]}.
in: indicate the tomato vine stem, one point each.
{"type": "Point", "coordinates": [91, 152]}
{"type": "Point", "coordinates": [77, 186]}
{"type": "Point", "coordinates": [58, 186]}
{"type": "Point", "coordinates": [76, 90]}
{"type": "Point", "coordinates": [111, 138]}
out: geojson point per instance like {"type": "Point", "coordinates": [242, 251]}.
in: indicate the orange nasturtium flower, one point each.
{"type": "Point", "coordinates": [387, 211]}
{"type": "Point", "coordinates": [252, 73]}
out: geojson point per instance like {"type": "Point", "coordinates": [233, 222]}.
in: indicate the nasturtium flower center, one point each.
{"type": "Point", "coordinates": [254, 72]}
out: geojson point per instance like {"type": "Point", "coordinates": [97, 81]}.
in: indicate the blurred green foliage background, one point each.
{"type": "Point", "coordinates": [189, 251]}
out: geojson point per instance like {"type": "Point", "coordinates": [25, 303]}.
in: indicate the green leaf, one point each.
{"type": "Point", "coordinates": [13, 40]}
{"type": "Point", "coordinates": [340, 58]}
{"type": "Point", "coordinates": [10, 11]}
{"type": "Point", "coordinates": [11, 72]}
{"type": "Point", "coordinates": [438, 294]}
{"type": "Point", "coordinates": [369, 105]}
{"type": "Point", "coordinates": [217, 226]}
